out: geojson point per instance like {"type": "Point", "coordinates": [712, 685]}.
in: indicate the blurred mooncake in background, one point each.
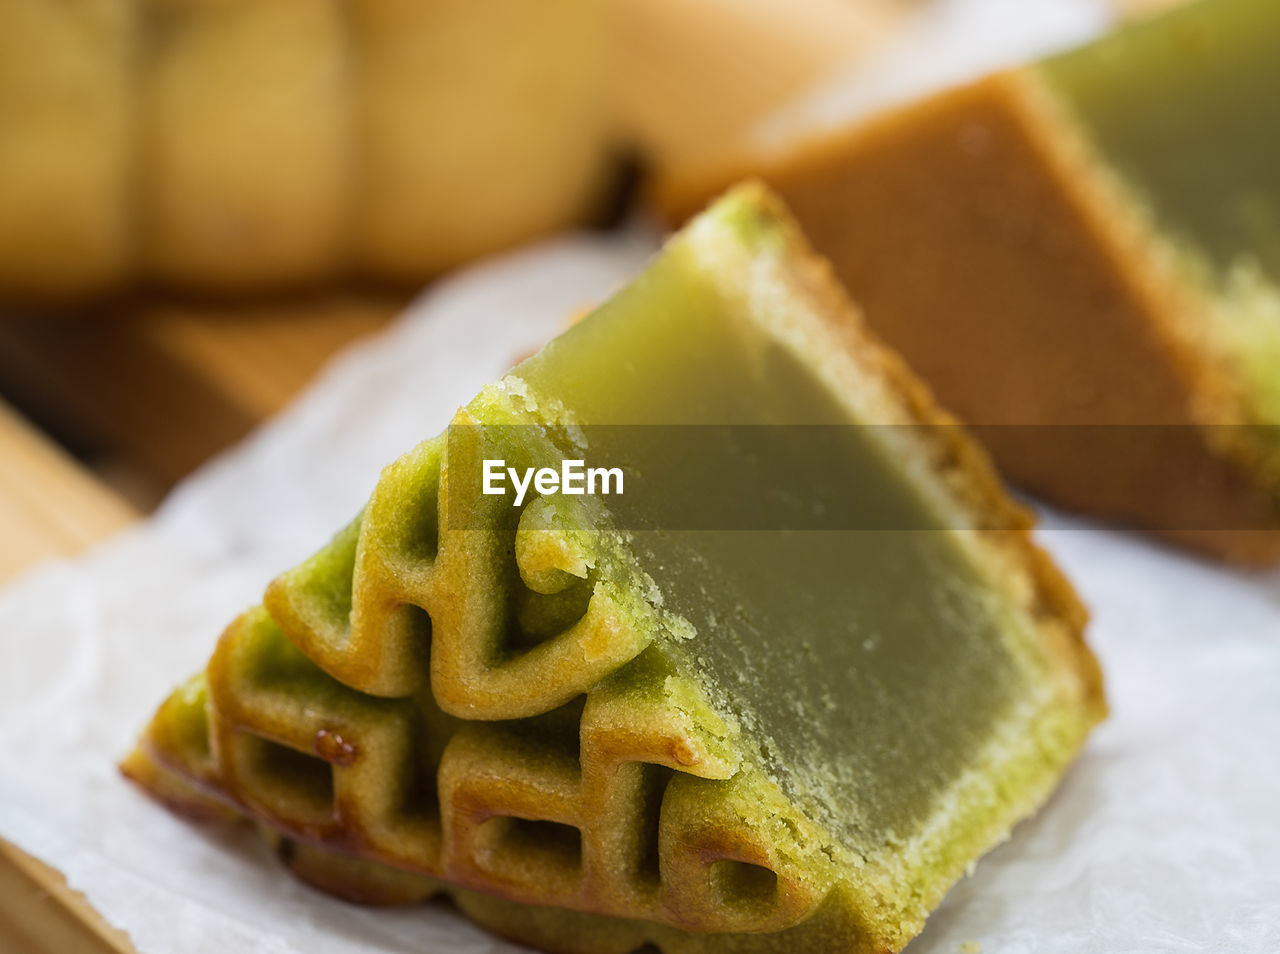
{"type": "Point", "coordinates": [1081, 258]}
{"type": "Point", "coordinates": [266, 145]}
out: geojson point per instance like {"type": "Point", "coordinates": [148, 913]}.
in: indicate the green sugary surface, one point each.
{"type": "Point", "coordinates": [867, 665]}
{"type": "Point", "coordinates": [1184, 109]}
{"type": "Point", "coordinates": [867, 703]}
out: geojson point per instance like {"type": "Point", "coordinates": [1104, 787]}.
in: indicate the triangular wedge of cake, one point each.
{"type": "Point", "coordinates": [776, 695]}
{"type": "Point", "coordinates": [1081, 257]}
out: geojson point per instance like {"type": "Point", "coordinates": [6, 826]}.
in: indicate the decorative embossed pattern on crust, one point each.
{"type": "Point", "coordinates": [382, 704]}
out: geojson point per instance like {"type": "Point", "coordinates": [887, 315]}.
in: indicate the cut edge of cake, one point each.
{"type": "Point", "coordinates": [1185, 315]}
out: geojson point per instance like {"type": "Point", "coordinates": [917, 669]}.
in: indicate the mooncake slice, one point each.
{"type": "Point", "coordinates": [1090, 241]}
{"type": "Point", "coordinates": [610, 720]}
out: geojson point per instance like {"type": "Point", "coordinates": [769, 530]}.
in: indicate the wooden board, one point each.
{"type": "Point", "coordinates": [49, 507]}
{"type": "Point", "coordinates": [39, 914]}
{"type": "Point", "coordinates": [154, 390]}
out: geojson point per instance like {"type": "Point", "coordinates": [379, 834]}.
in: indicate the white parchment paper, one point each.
{"type": "Point", "coordinates": [1164, 837]}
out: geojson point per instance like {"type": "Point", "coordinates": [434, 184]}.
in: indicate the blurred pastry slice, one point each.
{"type": "Point", "coordinates": [1081, 257]}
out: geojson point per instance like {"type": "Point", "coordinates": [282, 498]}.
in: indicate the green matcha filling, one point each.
{"type": "Point", "coordinates": [866, 668]}
{"type": "Point", "coordinates": [1179, 109]}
